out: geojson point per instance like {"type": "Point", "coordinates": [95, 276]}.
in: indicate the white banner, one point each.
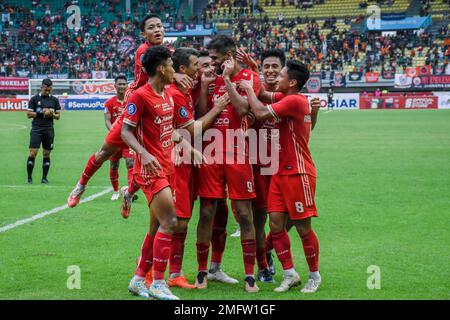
{"type": "Point", "coordinates": [99, 74]}
{"type": "Point", "coordinates": [443, 99]}
{"type": "Point", "coordinates": [340, 100]}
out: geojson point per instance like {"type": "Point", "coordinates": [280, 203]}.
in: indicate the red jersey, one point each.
{"type": "Point", "coordinates": [229, 118]}
{"type": "Point", "coordinates": [114, 107]}
{"type": "Point", "coordinates": [294, 120]}
{"type": "Point", "coordinates": [183, 114]}
{"type": "Point", "coordinates": [152, 115]}
{"type": "Point", "coordinates": [140, 77]}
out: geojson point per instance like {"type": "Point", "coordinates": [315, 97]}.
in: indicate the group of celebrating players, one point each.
{"type": "Point", "coordinates": [180, 97]}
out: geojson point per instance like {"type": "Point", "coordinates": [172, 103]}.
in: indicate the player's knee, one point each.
{"type": "Point", "coordinates": [115, 165]}
{"type": "Point", "coordinates": [129, 163]}
{"type": "Point", "coordinates": [276, 226]}
{"type": "Point", "coordinates": [46, 153]}
{"type": "Point", "coordinates": [170, 223]}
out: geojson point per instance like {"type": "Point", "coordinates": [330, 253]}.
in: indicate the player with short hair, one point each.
{"type": "Point", "coordinates": [292, 188]}
{"type": "Point", "coordinates": [148, 130]}
{"type": "Point", "coordinates": [185, 61]}
{"type": "Point", "coordinates": [217, 178]}
{"type": "Point", "coordinates": [113, 108]}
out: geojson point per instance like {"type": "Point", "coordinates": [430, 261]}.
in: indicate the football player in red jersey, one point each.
{"type": "Point", "coordinates": [148, 130]}
{"type": "Point", "coordinates": [185, 61]}
{"type": "Point", "coordinates": [218, 178]}
{"type": "Point", "coordinates": [113, 108]}
{"type": "Point", "coordinates": [292, 188]}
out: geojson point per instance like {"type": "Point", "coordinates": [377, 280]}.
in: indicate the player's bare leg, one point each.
{"type": "Point", "coordinates": [282, 246]}
{"type": "Point", "coordinates": [128, 192]}
{"type": "Point", "coordinates": [94, 163]}
{"type": "Point", "coordinates": [244, 213]}
{"type": "Point", "coordinates": [204, 233]}
{"type": "Point", "coordinates": [114, 178]}
{"type": "Point", "coordinates": [176, 277]}
{"type": "Point", "coordinates": [311, 249]}
{"type": "Point", "coordinates": [259, 219]}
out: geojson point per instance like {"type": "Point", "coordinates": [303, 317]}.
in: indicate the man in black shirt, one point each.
{"type": "Point", "coordinates": [43, 108]}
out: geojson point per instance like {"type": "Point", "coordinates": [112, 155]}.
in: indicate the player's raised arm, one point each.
{"type": "Point", "coordinates": [239, 102]}
{"type": "Point", "coordinates": [315, 107]}
{"type": "Point", "coordinates": [260, 111]}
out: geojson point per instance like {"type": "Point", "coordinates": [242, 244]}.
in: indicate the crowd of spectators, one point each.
{"type": "Point", "coordinates": [44, 44]}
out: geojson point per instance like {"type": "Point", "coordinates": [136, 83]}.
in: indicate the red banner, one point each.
{"type": "Point", "coordinates": [13, 83]}
{"type": "Point", "coordinates": [372, 76]}
{"type": "Point", "coordinates": [399, 102]}
{"type": "Point", "coordinates": [11, 104]}
{"type": "Point", "coordinates": [411, 72]}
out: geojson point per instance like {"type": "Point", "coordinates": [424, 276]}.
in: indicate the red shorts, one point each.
{"type": "Point", "coordinates": [154, 184]}
{"type": "Point", "coordinates": [216, 179]}
{"type": "Point", "coordinates": [122, 153]}
{"type": "Point", "coordinates": [186, 195]}
{"type": "Point", "coordinates": [262, 183]}
{"type": "Point", "coordinates": [293, 194]}
{"type": "Point", "coordinates": [114, 137]}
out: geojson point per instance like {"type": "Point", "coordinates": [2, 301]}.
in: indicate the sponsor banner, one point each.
{"type": "Point", "coordinates": [340, 100]}
{"type": "Point", "coordinates": [388, 74]}
{"type": "Point", "coordinates": [99, 74]}
{"type": "Point", "coordinates": [411, 72]}
{"type": "Point", "coordinates": [402, 81]}
{"type": "Point", "coordinates": [12, 104]}
{"type": "Point", "coordinates": [51, 76]}
{"type": "Point", "coordinates": [354, 76]}
{"type": "Point", "coordinates": [431, 82]}
{"type": "Point", "coordinates": [372, 76]}
{"type": "Point", "coordinates": [399, 102]}
{"type": "Point", "coordinates": [13, 83]}
{"type": "Point", "coordinates": [84, 104]}
{"type": "Point", "coordinates": [100, 88]}
{"type": "Point", "coordinates": [314, 84]}
{"type": "Point", "coordinates": [424, 70]}
{"type": "Point", "coordinates": [443, 99]}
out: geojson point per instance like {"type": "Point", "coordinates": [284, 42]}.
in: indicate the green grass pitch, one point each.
{"type": "Point", "coordinates": [383, 195]}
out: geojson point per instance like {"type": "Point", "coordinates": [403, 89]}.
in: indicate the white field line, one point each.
{"type": "Point", "coordinates": [49, 212]}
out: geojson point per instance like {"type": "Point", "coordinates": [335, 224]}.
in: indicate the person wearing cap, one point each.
{"type": "Point", "coordinates": [42, 108]}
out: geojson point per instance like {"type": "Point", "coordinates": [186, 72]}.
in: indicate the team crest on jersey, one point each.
{"type": "Point", "coordinates": [183, 112]}
{"type": "Point", "coordinates": [131, 109]}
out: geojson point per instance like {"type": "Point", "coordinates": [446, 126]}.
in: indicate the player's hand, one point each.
{"type": "Point", "coordinates": [315, 104]}
{"type": "Point", "coordinates": [245, 58]}
{"type": "Point", "coordinates": [208, 77]}
{"type": "Point", "coordinates": [227, 68]}
{"type": "Point", "coordinates": [246, 85]}
{"type": "Point", "coordinates": [184, 80]}
{"type": "Point", "coordinates": [221, 102]}
{"type": "Point", "coordinates": [150, 164]}
{"type": "Point", "coordinates": [198, 158]}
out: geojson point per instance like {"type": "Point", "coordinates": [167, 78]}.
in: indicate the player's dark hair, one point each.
{"type": "Point", "coordinates": [149, 16]}
{"type": "Point", "coordinates": [276, 53]}
{"type": "Point", "coordinates": [222, 44]}
{"type": "Point", "coordinates": [203, 53]}
{"type": "Point", "coordinates": [120, 76]}
{"type": "Point", "coordinates": [153, 58]}
{"type": "Point", "coordinates": [181, 57]}
{"type": "Point", "coordinates": [297, 71]}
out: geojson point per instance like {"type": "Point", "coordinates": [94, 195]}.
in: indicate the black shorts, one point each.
{"type": "Point", "coordinates": [44, 135]}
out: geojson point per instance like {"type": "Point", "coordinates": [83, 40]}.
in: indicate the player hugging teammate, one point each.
{"type": "Point", "coordinates": [188, 96]}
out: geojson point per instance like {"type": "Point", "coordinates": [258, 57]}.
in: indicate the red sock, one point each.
{"type": "Point", "coordinates": [114, 177]}
{"type": "Point", "coordinates": [219, 232]}
{"type": "Point", "coordinates": [202, 256]}
{"type": "Point", "coordinates": [261, 259]}
{"type": "Point", "coordinates": [146, 259]}
{"type": "Point", "coordinates": [311, 248]}
{"type": "Point", "coordinates": [282, 246]}
{"type": "Point", "coordinates": [133, 187]}
{"type": "Point", "coordinates": [161, 254]}
{"type": "Point", "coordinates": [249, 254]}
{"type": "Point", "coordinates": [269, 242]}
{"type": "Point", "coordinates": [176, 256]}
{"type": "Point", "coordinates": [91, 168]}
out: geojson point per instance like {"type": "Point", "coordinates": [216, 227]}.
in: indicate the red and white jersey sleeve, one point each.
{"type": "Point", "coordinates": [183, 114]}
